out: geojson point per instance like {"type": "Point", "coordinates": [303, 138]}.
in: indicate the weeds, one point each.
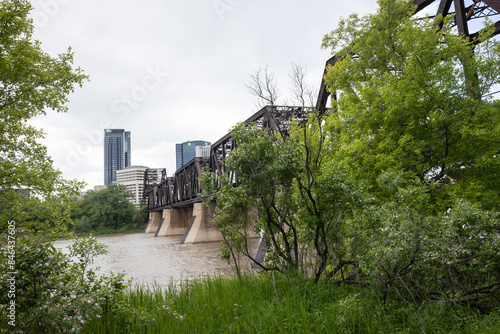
{"type": "Point", "coordinates": [281, 304]}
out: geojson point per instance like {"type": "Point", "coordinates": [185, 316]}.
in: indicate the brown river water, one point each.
{"type": "Point", "coordinates": [163, 260]}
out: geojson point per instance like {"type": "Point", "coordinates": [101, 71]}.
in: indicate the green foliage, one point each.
{"type": "Point", "coordinates": [273, 303]}
{"type": "Point", "coordinates": [234, 217]}
{"type": "Point", "coordinates": [85, 250]}
{"type": "Point", "coordinates": [303, 198]}
{"type": "Point", "coordinates": [107, 210]}
{"type": "Point", "coordinates": [32, 82]}
{"type": "Point", "coordinates": [411, 97]}
{"type": "Point", "coordinates": [141, 217]}
{"type": "Point", "coordinates": [51, 214]}
{"type": "Point", "coordinates": [55, 292]}
{"type": "Point", "coordinates": [260, 178]}
{"type": "Point", "coordinates": [83, 225]}
{"type": "Point", "coordinates": [409, 253]}
{"type": "Point", "coordinates": [413, 123]}
{"type": "Point", "coordinates": [397, 187]}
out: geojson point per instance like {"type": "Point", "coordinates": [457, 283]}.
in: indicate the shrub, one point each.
{"type": "Point", "coordinates": [54, 292]}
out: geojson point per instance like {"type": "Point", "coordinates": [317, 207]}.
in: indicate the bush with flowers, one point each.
{"type": "Point", "coordinates": [54, 292]}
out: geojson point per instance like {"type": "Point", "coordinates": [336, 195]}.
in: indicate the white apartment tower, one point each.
{"type": "Point", "coordinates": [132, 178]}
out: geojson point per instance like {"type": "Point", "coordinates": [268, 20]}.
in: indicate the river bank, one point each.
{"type": "Point", "coordinates": [70, 298]}
{"type": "Point", "coordinates": [281, 304]}
{"type": "Point", "coordinates": [188, 289]}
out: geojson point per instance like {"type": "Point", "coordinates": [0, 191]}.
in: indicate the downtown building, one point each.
{"type": "Point", "coordinates": [132, 178]}
{"type": "Point", "coordinates": [189, 150]}
{"type": "Point", "coordinates": [117, 151]}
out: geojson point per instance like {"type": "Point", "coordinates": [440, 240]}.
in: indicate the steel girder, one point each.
{"type": "Point", "coordinates": [273, 118]}
{"type": "Point", "coordinates": [150, 190]}
{"type": "Point", "coordinates": [463, 11]}
{"type": "Point", "coordinates": [183, 188]}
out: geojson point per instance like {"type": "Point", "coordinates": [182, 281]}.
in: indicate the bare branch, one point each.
{"type": "Point", "coordinates": [301, 91]}
{"type": "Point", "coordinates": [263, 85]}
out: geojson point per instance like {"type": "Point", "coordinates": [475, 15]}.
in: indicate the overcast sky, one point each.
{"type": "Point", "coordinates": [172, 71]}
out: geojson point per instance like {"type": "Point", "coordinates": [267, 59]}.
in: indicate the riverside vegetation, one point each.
{"type": "Point", "coordinates": [107, 211]}
{"type": "Point", "coordinates": [60, 293]}
{"type": "Point", "coordinates": [379, 215]}
{"type": "Point", "coordinates": [396, 188]}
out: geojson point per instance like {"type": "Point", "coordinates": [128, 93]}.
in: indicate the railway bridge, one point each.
{"type": "Point", "coordinates": [174, 203]}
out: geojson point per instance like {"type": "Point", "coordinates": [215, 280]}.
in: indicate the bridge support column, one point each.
{"type": "Point", "coordinates": [175, 221]}
{"type": "Point", "coordinates": [154, 222]}
{"type": "Point", "coordinates": [201, 228]}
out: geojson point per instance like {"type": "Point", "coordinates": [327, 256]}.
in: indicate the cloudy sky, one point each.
{"type": "Point", "coordinates": [171, 71]}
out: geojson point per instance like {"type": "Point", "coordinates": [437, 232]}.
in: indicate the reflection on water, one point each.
{"type": "Point", "coordinates": [163, 259]}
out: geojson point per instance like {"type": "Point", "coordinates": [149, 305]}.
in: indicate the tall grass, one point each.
{"type": "Point", "coordinates": [279, 304]}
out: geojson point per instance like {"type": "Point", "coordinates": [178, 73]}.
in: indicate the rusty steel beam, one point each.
{"type": "Point", "coordinates": [149, 194]}
{"type": "Point", "coordinates": [273, 118]}
{"type": "Point", "coordinates": [323, 91]}
{"type": "Point", "coordinates": [444, 7]}
{"type": "Point", "coordinates": [461, 17]}
{"type": "Point", "coordinates": [462, 14]}
{"type": "Point", "coordinates": [421, 4]}
{"type": "Point", "coordinates": [494, 4]}
{"type": "Point", "coordinates": [183, 187]}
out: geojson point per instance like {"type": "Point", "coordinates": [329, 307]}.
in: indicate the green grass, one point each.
{"type": "Point", "coordinates": [278, 304]}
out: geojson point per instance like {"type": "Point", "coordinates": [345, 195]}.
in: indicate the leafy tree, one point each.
{"type": "Point", "coordinates": [303, 198]}
{"type": "Point", "coordinates": [260, 179]}
{"type": "Point", "coordinates": [414, 121]}
{"type": "Point", "coordinates": [106, 209]}
{"type": "Point", "coordinates": [404, 104]}
{"type": "Point", "coordinates": [397, 186]}
{"type": "Point", "coordinates": [31, 82]}
{"type": "Point", "coordinates": [141, 216]}
{"type": "Point", "coordinates": [290, 175]}
{"type": "Point", "coordinates": [52, 213]}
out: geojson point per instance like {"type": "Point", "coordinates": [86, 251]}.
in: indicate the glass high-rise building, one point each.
{"type": "Point", "coordinates": [186, 152]}
{"type": "Point", "coordinates": [116, 153]}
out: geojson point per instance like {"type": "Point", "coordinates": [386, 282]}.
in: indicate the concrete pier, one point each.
{"type": "Point", "coordinates": [193, 223]}
{"type": "Point", "coordinates": [154, 222]}
{"type": "Point", "coordinates": [201, 228]}
{"type": "Point", "coordinates": [175, 221]}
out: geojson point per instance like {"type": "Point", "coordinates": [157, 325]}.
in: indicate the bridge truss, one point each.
{"type": "Point", "coordinates": [184, 187]}
{"type": "Point", "coordinates": [464, 13]}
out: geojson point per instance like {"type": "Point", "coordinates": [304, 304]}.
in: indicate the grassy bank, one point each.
{"type": "Point", "coordinates": [277, 304]}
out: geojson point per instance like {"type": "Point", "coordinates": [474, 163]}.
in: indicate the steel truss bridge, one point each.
{"type": "Point", "coordinates": [182, 189]}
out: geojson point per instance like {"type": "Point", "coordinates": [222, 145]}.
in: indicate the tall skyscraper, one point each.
{"type": "Point", "coordinates": [116, 153]}
{"type": "Point", "coordinates": [186, 152]}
